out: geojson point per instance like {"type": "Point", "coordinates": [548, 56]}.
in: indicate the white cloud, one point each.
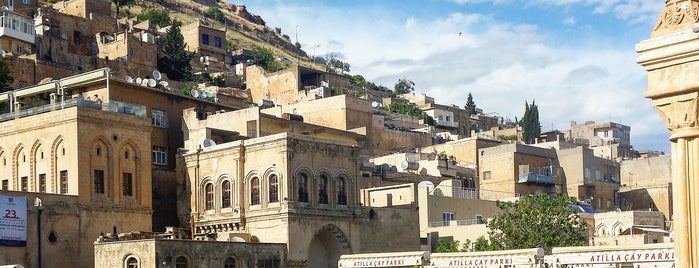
{"type": "Point", "coordinates": [569, 21]}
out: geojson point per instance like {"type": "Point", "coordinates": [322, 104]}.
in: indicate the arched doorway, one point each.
{"type": "Point", "coordinates": [326, 247]}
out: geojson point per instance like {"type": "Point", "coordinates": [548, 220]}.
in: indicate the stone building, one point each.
{"type": "Point", "coordinates": [647, 185]}
{"type": "Point", "coordinates": [285, 181]}
{"type": "Point", "coordinates": [207, 42]}
{"type": "Point", "coordinates": [184, 253]}
{"type": "Point", "coordinates": [590, 178]}
{"type": "Point", "coordinates": [452, 119]}
{"type": "Point", "coordinates": [521, 169]}
{"type": "Point", "coordinates": [17, 34]}
{"type": "Point", "coordinates": [628, 228]}
{"type": "Point", "coordinates": [105, 142]}
{"type": "Point", "coordinates": [608, 139]}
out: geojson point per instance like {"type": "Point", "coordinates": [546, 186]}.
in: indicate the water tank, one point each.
{"type": "Point", "coordinates": [409, 165]}
{"type": "Point", "coordinates": [264, 103]}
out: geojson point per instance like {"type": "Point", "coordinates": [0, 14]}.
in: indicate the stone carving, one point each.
{"type": "Point", "coordinates": [678, 15]}
{"type": "Point", "coordinates": [678, 112]}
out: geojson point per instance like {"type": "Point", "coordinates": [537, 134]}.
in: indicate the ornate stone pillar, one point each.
{"type": "Point", "coordinates": [671, 58]}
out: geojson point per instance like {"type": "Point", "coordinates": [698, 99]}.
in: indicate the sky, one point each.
{"type": "Point", "coordinates": [575, 59]}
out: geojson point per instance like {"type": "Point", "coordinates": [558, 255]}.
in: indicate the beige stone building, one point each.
{"type": "Point", "coordinates": [608, 139]}
{"type": "Point", "coordinates": [17, 33]}
{"type": "Point", "coordinates": [207, 42]}
{"type": "Point", "coordinates": [519, 168]}
{"type": "Point", "coordinates": [304, 194]}
{"type": "Point", "coordinates": [591, 179]}
{"type": "Point", "coordinates": [452, 118]}
{"type": "Point", "coordinates": [104, 142]}
{"type": "Point", "coordinates": [646, 184]}
{"type": "Point", "coordinates": [158, 252]}
{"type": "Point", "coordinates": [628, 228]}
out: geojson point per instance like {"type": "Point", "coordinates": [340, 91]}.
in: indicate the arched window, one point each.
{"type": "Point", "coordinates": [229, 263]}
{"type": "Point", "coordinates": [341, 191]}
{"type": "Point", "coordinates": [323, 189]}
{"type": "Point", "coordinates": [273, 188]}
{"type": "Point", "coordinates": [303, 187]}
{"type": "Point", "coordinates": [255, 191]}
{"type": "Point", "coordinates": [226, 194]}
{"type": "Point", "coordinates": [209, 196]}
{"type": "Point", "coordinates": [181, 262]}
{"type": "Point", "coordinates": [131, 262]}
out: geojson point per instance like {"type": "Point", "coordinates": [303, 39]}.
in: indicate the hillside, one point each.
{"type": "Point", "coordinates": [244, 29]}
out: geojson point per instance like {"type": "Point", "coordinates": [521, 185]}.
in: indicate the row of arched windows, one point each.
{"type": "Point", "coordinates": [306, 187]}
{"type": "Point", "coordinates": [179, 261]}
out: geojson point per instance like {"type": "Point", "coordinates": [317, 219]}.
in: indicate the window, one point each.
{"type": "Point", "coordinates": [341, 191]}
{"type": "Point", "coordinates": [479, 219]}
{"type": "Point", "coordinates": [77, 38]}
{"type": "Point", "coordinates": [149, 57]}
{"type": "Point", "coordinates": [159, 155]}
{"type": "Point", "coordinates": [447, 118]}
{"type": "Point", "coordinates": [587, 173]}
{"type": "Point", "coordinates": [486, 175]}
{"type": "Point", "coordinates": [303, 187]}
{"type": "Point", "coordinates": [229, 263]}
{"type": "Point", "coordinates": [63, 180]}
{"type": "Point", "coordinates": [209, 188]}
{"type": "Point", "coordinates": [99, 181]}
{"type": "Point", "coordinates": [267, 263]}
{"type": "Point", "coordinates": [131, 262]}
{"type": "Point", "coordinates": [323, 189]}
{"type": "Point", "coordinates": [255, 191]}
{"type": "Point", "coordinates": [126, 154]}
{"type": "Point", "coordinates": [606, 133]}
{"type": "Point", "coordinates": [127, 184]}
{"type": "Point", "coordinates": [447, 217]}
{"type": "Point", "coordinates": [24, 182]}
{"type": "Point", "coordinates": [134, 52]}
{"type": "Point", "coordinates": [273, 188]}
{"type": "Point", "coordinates": [159, 118]}
{"type": "Point", "coordinates": [42, 183]}
{"type": "Point", "coordinates": [217, 42]}
{"type": "Point", "coordinates": [5, 184]}
{"type": "Point", "coordinates": [205, 39]}
{"type": "Point", "coordinates": [181, 262]}
{"type": "Point", "coordinates": [99, 150]}
{"type": "Point", "coordinates": [226, 194]}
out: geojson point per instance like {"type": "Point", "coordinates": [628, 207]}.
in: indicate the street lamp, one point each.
{"type": "Point", "coordinates": [40, 208]}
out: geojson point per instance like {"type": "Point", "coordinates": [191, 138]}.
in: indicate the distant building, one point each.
{"type": "Point", "coordinates": [646, 184]}
{"type": "Point", "coordinates": [591, 179]}
{"type": "Point", "coordinates": [617, 228]}
{"type": "Point", "coordinates": [608, 139]}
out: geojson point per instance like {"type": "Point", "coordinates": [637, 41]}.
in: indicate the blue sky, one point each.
{"type": "Point", "coordinates": [575, 58]}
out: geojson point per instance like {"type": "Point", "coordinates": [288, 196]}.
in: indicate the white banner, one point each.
{"type": "Point", "coordinates": [13, 220]}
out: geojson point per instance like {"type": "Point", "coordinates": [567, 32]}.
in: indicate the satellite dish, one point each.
{"type": "Point", "coordinates": [163, 83]}
{"type": "Point", "coordinates": [128, 79]}
{"type": "Point", "coordinates": [202, 94]}
{"type": "Point", "coordinates": [2, 53]}
{"type": "Point", "coordinates": [209, 94]}
{"type": "Point", "coordinates": [426, 184]}
{"type": "Point", "coordinates": [194, 93]}
{"type": "Point", "coordinates": [157, 75]}
{"type": "Point", "coordinates": [152, 83]}
{"type": "Point", "coordinates": [109, 37]}
{"type": "Point", "coordinates": [207, 143]}
{"type": "Point", "coordinates": [374, 104]}
{"type": "Point", "coordinates": [139, 80]}
{"type": "Point", "coordinates": [243, 95]}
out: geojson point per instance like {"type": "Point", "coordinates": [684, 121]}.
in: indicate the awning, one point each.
{"type": "Point", "coordinates": [486, 259]}
{"type": "Point", "coordinates": [662, 255]}
{"type": "Point", "coordinates": [393, 259]}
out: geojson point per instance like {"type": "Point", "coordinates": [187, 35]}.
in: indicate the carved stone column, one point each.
{"type": "Point", "coordinates": [671, 58]}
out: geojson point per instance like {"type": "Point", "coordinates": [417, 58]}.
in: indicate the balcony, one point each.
{"type": "Point", "coordinates": [17, 27]}
{"type": "Point", "coordinates": [532, 177]}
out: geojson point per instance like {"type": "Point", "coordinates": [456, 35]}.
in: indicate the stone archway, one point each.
{"type": "Point", "coordinates": [326, 247]}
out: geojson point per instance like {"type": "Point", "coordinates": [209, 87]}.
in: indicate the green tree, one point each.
{"type": "Point", "coordinates": [159, 17]}
{"type": "Point", "coordinates": [531, 127]}
{"type": "Point", "coordinates": [357, 81]}
{"type": "Point", "coordinates": [535, 221]}
{"type": "Point", "coordinates": [452, 246]}
{"type": "Point", "coordinates": [120, 3]}
{"type": "Point", "coordinates": [173, 59]}
{"type": "Point", "coordinates": [6, 78]}
{"type": "Point", "coordinates": [470, 105]}
{"type": "Point", "coordinates": [216, 14]}
{"type": "Point", "coordinates": [265, 58]}
{"type": "Point", "coordinates": [404, 85]}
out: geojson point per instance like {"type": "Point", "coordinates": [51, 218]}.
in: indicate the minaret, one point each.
{"type": "Point", "coordinates": [671, 57]}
